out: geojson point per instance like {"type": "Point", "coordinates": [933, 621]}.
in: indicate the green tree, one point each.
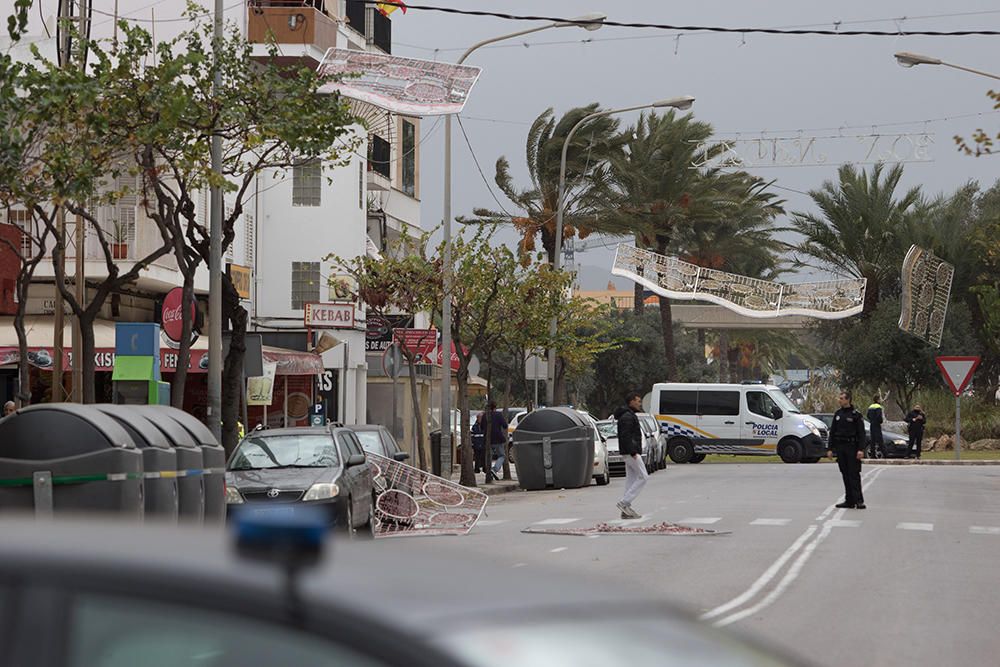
{"type": "Point", "coordinates": [859, 226]}
{"type": "Point", "coordinates": [982, 142]}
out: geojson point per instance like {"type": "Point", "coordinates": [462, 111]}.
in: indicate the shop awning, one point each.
{"type": "Point", "coordinates": [40, 355]}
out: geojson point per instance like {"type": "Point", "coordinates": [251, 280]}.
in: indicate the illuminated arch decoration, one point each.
{"type": "Point", "coordinates": [677, 279]}
{"type": "Point", "coordinates": [926, 291]}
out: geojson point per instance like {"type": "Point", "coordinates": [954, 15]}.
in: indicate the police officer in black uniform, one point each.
{"type": "Point", "coordinates": [847, 438]}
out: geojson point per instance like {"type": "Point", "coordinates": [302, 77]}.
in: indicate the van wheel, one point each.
{"type": "Point", "coordinates": [697, 458]}
{"type": "Point", "coordinates": [790, 450]}
{"type": "Point", "coordinates": [680, 450]}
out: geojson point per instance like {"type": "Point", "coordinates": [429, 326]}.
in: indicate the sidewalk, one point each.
{"type": "Point", "coordinates": [493, 488]}
{"type": "Point", "coordinates": [932, 462]}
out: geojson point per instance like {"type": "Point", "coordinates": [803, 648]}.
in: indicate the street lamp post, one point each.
{"type": "Point", "coordinates": [907, 59]}
{"type": "Point", "coordinates": [680, 103]}
{"type": "Point", "coordinates": [215, 256]}
{"type": "Point", "coordinates": [589, 22]}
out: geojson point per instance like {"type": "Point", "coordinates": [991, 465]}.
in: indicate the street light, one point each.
{"type": "Point", "coordinates": [589, 22]}
{"type": "Point", "coordinates": [907, 59]}
{"type": "Point", "coordinates": [681, 103]}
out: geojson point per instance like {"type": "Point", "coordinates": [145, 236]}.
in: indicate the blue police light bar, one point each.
{"type": "Point", "coordinates": [290, 535]}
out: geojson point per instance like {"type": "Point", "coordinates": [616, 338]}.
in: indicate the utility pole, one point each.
{"type": "Point", "coordinates": [215, 258]}
{"type": "Point", "coordinates": [80, 279]}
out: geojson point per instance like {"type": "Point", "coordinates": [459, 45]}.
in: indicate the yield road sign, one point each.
{"type": "Point", "coordinates": [957, 371]}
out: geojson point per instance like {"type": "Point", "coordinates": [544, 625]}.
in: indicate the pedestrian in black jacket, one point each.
{"type": "Point", "coordinates": [630, 447]}
{"type": "Point", "coordinates": [875, 418]}
{"type": "Point", "coordinates": [915, 422]}
{"type": "Point", "coordinates": [847, 438]}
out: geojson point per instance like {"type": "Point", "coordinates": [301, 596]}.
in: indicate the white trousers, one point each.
{"type": "Point", "coordinates": [635, 478]}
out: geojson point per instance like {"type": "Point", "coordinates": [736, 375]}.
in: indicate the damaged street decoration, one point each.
{"type": "Point", "coordinates": [926, 291]}
{"type": "Point", "coordinates": [410, 501]}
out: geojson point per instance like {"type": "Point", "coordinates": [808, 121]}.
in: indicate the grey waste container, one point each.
{"type": "Point", "coordinates": [93, 462]}
{"type": "Point", "coordinates": [159, 461]}
{"type": "Point", "coordinates": [190, 487]}
{"type": "Point", "coordinates": [554, 447]}
{"type": "Point", "coordinates": [214, 461]}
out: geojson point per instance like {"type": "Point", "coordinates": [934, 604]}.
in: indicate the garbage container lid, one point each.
{"type": "Point", "coordinates": [59, 430]}
{"type": "Point", "coordinates": [143, 431]}
{"type": "Point", "coordinates": [176, 434]}
{"type": "Point", "coordinates": [549, 420]}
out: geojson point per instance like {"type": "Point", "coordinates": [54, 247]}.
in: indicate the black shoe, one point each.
{"type": "Point", "coordinates": [860, 506]}
{"type": "Point", "coordinates": [844, 505]}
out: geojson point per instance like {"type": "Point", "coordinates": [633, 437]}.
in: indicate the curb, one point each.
{"type": "Point", "coordinates": [498, 488]}
{"type": "Point", "coordinates": [939, 462]}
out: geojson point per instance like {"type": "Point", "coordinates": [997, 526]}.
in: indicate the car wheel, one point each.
{"type": "Point", "coordinates": [790, 450]}
{"type": "Point", "coordinates": [602, 480]}
{"type": "Point", "coordinates": [367, 531]}
{"type": "Point", "coordinates": [697, 458]}
{"type": "Point", "coordinates": [680, 450]}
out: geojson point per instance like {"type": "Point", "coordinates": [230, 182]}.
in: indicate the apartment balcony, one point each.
{"type": "Point", "coordinates": [302, 30]}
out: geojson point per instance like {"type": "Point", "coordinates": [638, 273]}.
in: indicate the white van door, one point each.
{"type": "Point", "coordinates": [760, 427]}
{"type": "Point", "coordinates": [719, 420]}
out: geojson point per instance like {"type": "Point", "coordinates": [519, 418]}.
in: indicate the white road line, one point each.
{"type": "Point", "coordinates": [518, 565]}
{"type": "Point", "coordinates": [554, 522]}
{"type": "Point", "coordinates": [703, 520]}
{"type": "Point", "coordinates": [984, 530]}
{"type": "Point", "coordinates": [770, 522]}
{"type": "Point", "coordinates": [915, 526]}
{"type": "Point", "coordinates": [593, 537]}
{"type": "Point", "coordinates": [557, 550]}
{"type": "Point", "coordinates": [865, 477]}
{"type": "Point", "coordinates": [491, 522]}
{"type": "Point", "coordinates": [776, 567]}
{"type": "Point", "coordinates": [628, 522]}
{"type": "Point", "coordinates": [845, 523]}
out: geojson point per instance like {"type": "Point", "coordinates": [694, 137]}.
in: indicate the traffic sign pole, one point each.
{"type": "Point", "coordinates": [958, 428]}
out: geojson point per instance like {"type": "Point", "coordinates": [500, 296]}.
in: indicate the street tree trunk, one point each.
{"type": "Point", "coordinates": [87, 350]}
{"type": "Point", "coordinates": [184, 351]}
{"type": "Point", "coordinates": [232, 372]}
{"type": "Point", "coordinates": [468, 476]}
{"type": "Point", "coordinates": [667, 327]}
{"type": "Point", "coordinates": [723, 356]}
{"type": "Point", "coordinates": [419, 426]}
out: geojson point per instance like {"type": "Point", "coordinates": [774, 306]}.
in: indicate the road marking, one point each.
{"type": "Point", "coordinates": [865, 477]}
{"type": "Point", "coordinates": [845, 523]}
{"type": "Point", "coordinates": [704, 520]}
{"type": "Point", "coordinates": [557, 550]}
{"type": "Point", "coordinates": [915, 526]}
{"type": "Point", "coordinates": [491, 522]}
{"type": "Point", "coordinates": [770, 522]}
{"type": "Point", "coordinates": [518, 565]}
{"type": "Point", "coordinates": [793, 572]}
{"type": "Point", "coordinates": [554, 522]}
{"type": "Point", "coordinates": [592, 537]}
{"type": "Point", "coordinates": [628, 522]}
{"type": "Point", "coordinates": [984, 530]}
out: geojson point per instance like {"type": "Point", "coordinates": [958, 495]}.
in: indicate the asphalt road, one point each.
{"type": "Point", "coordinates": [912, 580]}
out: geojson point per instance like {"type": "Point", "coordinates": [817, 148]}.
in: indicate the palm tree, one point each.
{"type": "Point", "coordinates": [588, 185]}
{"type": "Point", "coordinates": [859, 226]}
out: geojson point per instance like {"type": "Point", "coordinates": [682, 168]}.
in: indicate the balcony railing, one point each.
{"type": "Point", "coordinates": [296, 22]}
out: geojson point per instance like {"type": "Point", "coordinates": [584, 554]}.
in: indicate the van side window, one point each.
{"type": "Point", "coordinates": [678, 402]}
{"type": "Point", "coordinates": [719, 403]}
{"type": "Point", "coordinates": [761, 404]}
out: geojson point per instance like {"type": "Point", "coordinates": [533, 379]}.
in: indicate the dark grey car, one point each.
{"type": "Point", "coordinates": [275, 468]}
{"type": "Point", "coordinates": [377, 440]}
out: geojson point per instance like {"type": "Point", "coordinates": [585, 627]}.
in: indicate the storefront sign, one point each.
{"type": "Point", "coordinates": [172, 315]}
{"type": "Point", "coordinates": [418, 342]}
{"type": "Point", "coordinates": [241, 277]}
{"type": "Point", "coordinates": [329, 316]}
{"type": "Point", "coordinates": [379, 328]}
{"type": "Point", "coordinates": [260, 390]}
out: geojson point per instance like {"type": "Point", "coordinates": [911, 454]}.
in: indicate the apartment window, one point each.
{"type": "Point", "coordinates": [361, 185]}
{"type": "Point", "coordinates": [250, 236]}
{"type": "Point", "coordinates": [22, 220]}
{"type": "Point", "coordinates": [307, 182]}
{"type": "Point", "coordinates": [409, 158]}
{"type": "Point", "coordinates": [305, 284]}
{"type": "Point", "coordinates": [382, 32]}
{"type": "Point", "coordinates": [356, 16]}
{"type": "Point", "coordinates": [379, 155]}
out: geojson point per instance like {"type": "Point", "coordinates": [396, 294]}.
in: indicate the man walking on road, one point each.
{"type": "Point", "coordinates": [630, 447]}
{"type": "Point", "coordinates": [875, 418]}
{"type": "Point", "coordinates": [847, 437]}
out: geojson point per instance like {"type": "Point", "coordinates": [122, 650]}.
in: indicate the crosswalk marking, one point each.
{"type": "Point", "coordinates": [770, 522]}
{"type": "Point", "coordinates": [984, 530]}
{"type": "Point", "coordinates": [491, 522]}
{"type": "Point", "coordinates": [915, 526]}
{"type": "Point", "coordinates": [557, 550]}
{"type": "Point", "coordinates": [627, 522]}
{"type": "Point", "coordinates": [555, 522]}
{"type": "Point", "coordinates": [704, 520]}
{"type": "Point", "coordinates": [845, 523]}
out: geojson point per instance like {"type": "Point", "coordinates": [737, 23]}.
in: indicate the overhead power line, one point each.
{"type": "Point", "coordinates": [749, 30]}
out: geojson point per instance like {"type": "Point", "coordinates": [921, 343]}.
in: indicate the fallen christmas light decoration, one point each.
{"type": "Point", "coordinates": [662, 528]}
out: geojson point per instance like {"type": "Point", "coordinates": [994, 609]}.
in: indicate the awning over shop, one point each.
{"type": "Point", "coordinates": [40, 354]}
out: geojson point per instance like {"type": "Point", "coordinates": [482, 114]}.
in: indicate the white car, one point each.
{"type": "Point", "coordinates": [602, 469]}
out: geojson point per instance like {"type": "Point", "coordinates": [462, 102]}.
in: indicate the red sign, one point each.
{"type": "Point", "coordinates": [329, 316]}
{"type": "Point", "coordinates": [419, 342]}
{"type": "Point", "coordinates": [172, 316]}
{"type": "Point", "coordinates": [957, 371]}
{"type": "Point", "coordinates": [437, 356]}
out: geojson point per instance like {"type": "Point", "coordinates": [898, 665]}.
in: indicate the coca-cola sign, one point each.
{"type": "Point", "coordinates": [172, 316]}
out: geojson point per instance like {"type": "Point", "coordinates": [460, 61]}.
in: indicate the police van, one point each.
{"type": "Point", "coordinates": [756, 419]}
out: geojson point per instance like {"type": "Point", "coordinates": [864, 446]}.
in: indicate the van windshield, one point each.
{"type": "Point", "coordinates": [783, 402]}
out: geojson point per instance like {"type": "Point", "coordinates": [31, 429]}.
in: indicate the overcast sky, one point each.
{"type": "Point", "coordinates": [743, 83]}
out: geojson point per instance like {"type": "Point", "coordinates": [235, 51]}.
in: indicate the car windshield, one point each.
{"type": "Point", "coordinates": [371, 442]}
{"type": "Point", "coordinates": [782, 401]}
{"type": "Point", "coordinates": [285, 451]}
{"type": "Point", "coordinates": [608, 429]}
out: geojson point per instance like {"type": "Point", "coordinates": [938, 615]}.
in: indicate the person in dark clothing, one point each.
{"type": "Point", "coordinates": [479, 442]}
{"type": "Point", "coordinates": [498, 442]}
{"type": "Point", "coordinates": [875, 418]}
{"type": "Point", "coordinates": [847, 438]}
{"type": "Point", "coordinates": [630, 447]}
{"type": "Point", "coordinates": [915, 422]}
